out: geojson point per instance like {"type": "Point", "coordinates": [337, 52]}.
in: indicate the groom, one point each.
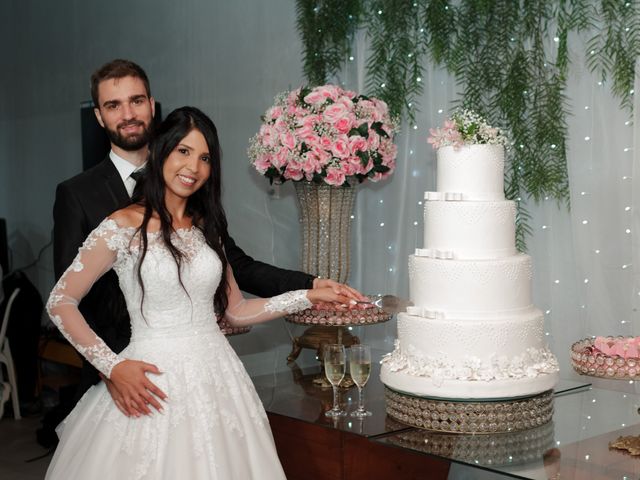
{"type": "Point", "coordinates": [125, 108]}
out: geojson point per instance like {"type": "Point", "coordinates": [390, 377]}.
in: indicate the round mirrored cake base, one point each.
{"type": "Point", "coordinates": [474, 416]}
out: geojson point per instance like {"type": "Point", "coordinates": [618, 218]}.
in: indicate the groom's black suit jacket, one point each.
{"type": "Point", "coordinates": [82, 202]}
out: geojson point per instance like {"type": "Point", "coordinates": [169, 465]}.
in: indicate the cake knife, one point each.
{"type": "Point", "coordinates": [388, 303]}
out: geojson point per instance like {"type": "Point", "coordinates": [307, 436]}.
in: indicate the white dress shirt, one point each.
{"type": "Point", "coordinates": [125, 169]}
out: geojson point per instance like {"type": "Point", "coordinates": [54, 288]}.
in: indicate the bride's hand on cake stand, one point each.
{"type": "Point", "coordinates": [330, 298]}
{"type": "Point", "coordinates": [340, 288]}
{"type": "Point", "coordinates": [349, 295]}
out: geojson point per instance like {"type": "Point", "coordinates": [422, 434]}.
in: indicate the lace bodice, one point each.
{"type": "Point", "coordinates": [167, 307]}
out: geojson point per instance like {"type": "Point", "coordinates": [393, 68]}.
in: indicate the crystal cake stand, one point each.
{"type": "Point", "coordinates": [474, 416]}
{"type": "Point", "coordinates": [330, 326]}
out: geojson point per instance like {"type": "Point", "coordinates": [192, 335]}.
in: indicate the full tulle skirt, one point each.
{"type": "Point", "coordinates": [213, 425]}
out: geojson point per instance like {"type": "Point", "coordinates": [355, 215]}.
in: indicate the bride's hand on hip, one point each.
{"type": "Point", "coordinates": [136, 390]}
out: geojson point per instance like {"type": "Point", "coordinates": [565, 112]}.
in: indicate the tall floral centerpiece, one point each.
{"type": "Point", "coordinates": [326, 140]}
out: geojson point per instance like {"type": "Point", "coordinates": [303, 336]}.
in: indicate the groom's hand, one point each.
{"type": "Point", "coordinates": [137, 391]}
{"type": "Point", "coordinates": [339, 288]}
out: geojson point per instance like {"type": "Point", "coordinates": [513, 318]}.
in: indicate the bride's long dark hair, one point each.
{"type": "Point", "coordinates": [204, 206]}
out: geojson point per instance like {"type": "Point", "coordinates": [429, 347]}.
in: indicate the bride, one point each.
{"type": "Point", "coordinates": [167, 252]}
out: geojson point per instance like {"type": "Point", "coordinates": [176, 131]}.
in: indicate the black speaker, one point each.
{"type": "Point", "coordinates": [95, 143]}
{"type": "Point", "coordinates": [4, 247]}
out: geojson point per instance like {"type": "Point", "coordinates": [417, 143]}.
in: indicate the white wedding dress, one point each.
{"type": "Point", "coordinates": [213, 425]}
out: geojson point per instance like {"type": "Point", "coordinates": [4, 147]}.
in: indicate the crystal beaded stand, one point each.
{"type": "Point", "coordinates": [325, 221]}
{"type": "Point", "coordinates": [484, 417]}
{"type": "Point", "coordinates": [328, 317]}
{"type": "Point", "coordinates": [496, 449]}
{"type": "Point", "coordinates": [587, 360]}
{"type": "Point", "coordinates": [328, 326]}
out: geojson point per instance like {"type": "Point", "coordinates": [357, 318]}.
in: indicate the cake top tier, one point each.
{"type": "Point", "coordinates": [471, 172]}
{"type": "Point", "coordinates": [470, 158]}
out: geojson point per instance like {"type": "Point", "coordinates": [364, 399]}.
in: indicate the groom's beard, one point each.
{"type": "Point", "coordinates": [131, 142]}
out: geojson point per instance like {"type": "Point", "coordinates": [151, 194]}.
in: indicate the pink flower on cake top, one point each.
{"type": "Point", "coordinates": [325, 135]}
{"type": "Point", "coordinates": [466, 127]}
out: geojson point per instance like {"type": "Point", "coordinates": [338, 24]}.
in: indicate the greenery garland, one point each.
{"type": "Point", "coordinates": [613, 51]}
{"type": "Point", "coordinates": [506, 75]}
{"type": "Point", "coordinates": [394, 67]}
{"type": "Point", "coordinates": [509, 57]}
{"type": "Point", "coordinates": [327, 28]}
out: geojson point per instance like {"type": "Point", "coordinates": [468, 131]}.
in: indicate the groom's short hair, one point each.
{"type": "Point", "coordinates": [117, 68]}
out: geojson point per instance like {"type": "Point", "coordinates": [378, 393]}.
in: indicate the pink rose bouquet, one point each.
{"type": "Point", "coordinates": [465, 127]}
{"type": "Point", "coordinates": [325, 135]}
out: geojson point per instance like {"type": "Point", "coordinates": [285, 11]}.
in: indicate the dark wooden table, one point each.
{"type": "Point", "coordinates": [312, 446]}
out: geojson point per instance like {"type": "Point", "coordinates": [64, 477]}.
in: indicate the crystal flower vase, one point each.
{"type": "Point", "coordinates": [325, 221]}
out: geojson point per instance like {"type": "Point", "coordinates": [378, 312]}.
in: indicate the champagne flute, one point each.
{"type": "Point", "coordinates": [334, 368]}
{"type": "Point", "coordinates": [360, 369]}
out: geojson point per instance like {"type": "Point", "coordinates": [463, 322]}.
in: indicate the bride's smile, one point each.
{"type": "Point", "coordinates": [188, 166]}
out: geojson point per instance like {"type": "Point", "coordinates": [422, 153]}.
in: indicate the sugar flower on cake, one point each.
{"type": "Point", "coordinates": [466, 127]}
{"type": "Point", "coordinates": [325, 135]}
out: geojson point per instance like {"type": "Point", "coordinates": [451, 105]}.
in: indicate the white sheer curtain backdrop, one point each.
{"type": "Point", "coordinates": [635, 225]}
{"type": "Point", "coordinates": [583, 258]}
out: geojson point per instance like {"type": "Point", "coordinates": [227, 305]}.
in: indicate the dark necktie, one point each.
{"type": "Point", "coordinates": [137, 174]}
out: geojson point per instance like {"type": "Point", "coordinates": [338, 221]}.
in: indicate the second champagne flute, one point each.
{"type": "Point", "coordinates": [334, 368]}
{"type": "Point", "coordinates": [360, 369]}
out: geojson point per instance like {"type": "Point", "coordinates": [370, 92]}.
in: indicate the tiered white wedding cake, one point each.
{"type": "Point", "coordinates": [473, 332]}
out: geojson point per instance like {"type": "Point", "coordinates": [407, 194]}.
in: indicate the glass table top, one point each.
{"type": "Point", "coordinates": [588, 414]}
{"type": "Point", "coordinates": [292, 393]}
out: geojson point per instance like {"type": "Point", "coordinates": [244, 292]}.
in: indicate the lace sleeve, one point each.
{"type": "Point", "coordinates": [96, 257]}
{"type": "Point", "coordinates": [242, 312]}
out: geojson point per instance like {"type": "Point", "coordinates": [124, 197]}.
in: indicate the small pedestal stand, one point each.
{"type": "Point", "coordinates": [330, 326]}
{"type": "Point", "coordinates": [586, 359]}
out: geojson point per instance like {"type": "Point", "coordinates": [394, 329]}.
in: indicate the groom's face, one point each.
{"type": "Point", "coordinates": [125, 110]}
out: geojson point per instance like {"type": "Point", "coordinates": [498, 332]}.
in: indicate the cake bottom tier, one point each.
{"type": "Point", "coordinates": [483, 343]}
{"type": "Point", "coordinates": [451, 388]}
{"type": "Point", "coordinates": [495, 356]}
